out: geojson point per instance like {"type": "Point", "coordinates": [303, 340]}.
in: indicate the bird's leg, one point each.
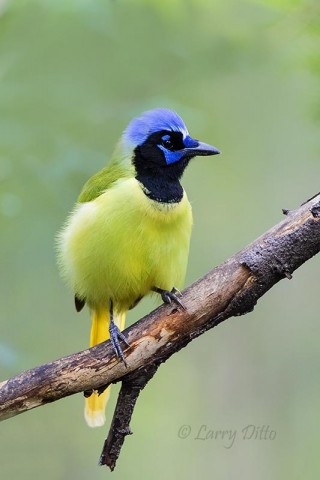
{"type": "Point", "coordinates": [115, 336]}
{"type": "Point", "coordinates": [169, 297]}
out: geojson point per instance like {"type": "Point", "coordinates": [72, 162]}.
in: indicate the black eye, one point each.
{"type": "Point", "coordinates": [167, 143]}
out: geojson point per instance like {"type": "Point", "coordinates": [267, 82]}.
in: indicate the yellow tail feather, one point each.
{"type": "Point", "coordinates": [95, 405]}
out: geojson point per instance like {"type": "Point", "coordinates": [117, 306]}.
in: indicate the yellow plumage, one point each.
{"type": "Point", "coordinates": [94, 410]}
{"type": "Point", "coordinates": [119, 246]}
{"type": "Point", "coordinates": [122, 244]}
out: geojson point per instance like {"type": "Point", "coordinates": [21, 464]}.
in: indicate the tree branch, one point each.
{"type": "Point", "coordinates": [230, 289]}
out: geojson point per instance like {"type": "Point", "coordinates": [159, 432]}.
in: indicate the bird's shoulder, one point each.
{"type": "Point", "coordinates": [102, 181]}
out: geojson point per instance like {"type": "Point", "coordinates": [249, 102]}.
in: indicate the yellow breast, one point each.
{"type": "Point", "coordinates": [122, 244]}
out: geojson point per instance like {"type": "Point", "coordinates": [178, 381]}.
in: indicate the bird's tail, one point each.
{"type": "Point", "coordinates": [94, 411]}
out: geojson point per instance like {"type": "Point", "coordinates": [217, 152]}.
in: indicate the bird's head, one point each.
{"type": "Point", "coordinates": [160, 140]}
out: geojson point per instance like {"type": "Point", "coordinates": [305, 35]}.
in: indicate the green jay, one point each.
{"type": "Point", "coordinates": [129, 232]}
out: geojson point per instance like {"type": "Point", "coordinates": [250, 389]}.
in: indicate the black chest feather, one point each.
{"type": "Point", "coordinates": [160, 189]}
{"type": "Point", "coordinates": [160, 182]}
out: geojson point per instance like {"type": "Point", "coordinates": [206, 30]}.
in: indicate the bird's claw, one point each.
{"type": "Point", "coordinates": [115, 336]}
{"type": "Point", "coordinates": [169, 297]}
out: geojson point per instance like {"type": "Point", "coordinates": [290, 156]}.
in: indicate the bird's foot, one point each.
{"type": "Point", "coordinates": [115, 337]}
{"type": "Point", "coordinates": [170, 296]}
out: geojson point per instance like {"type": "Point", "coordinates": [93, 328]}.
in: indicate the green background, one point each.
{"type": "Point", "coordinates": [244, 75]}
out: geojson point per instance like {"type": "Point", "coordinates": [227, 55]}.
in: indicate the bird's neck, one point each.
{"type": "Point", "coordinates": [160, 183]}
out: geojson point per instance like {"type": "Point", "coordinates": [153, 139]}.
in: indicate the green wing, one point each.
{"type": "Point", "coordinates": [103, 180]}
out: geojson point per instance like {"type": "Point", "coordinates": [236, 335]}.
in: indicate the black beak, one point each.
{"type": "Point", "coordinates": [203, 149]}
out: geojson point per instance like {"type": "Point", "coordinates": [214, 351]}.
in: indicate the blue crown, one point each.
{"type": "Point", "coordinates": [153, 121]}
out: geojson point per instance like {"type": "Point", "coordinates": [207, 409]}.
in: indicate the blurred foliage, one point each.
{"type": "Point", "coordinates": [244, 75]}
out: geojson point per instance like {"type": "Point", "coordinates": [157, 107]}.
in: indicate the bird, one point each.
{"type": "Point", "coordinates": [129, 232]}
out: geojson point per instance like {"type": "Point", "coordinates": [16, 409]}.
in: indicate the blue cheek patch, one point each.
{"type": "Point", "coordinates": [190, 142]}
{"type": "Point", "coordinates": [171, 157]}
